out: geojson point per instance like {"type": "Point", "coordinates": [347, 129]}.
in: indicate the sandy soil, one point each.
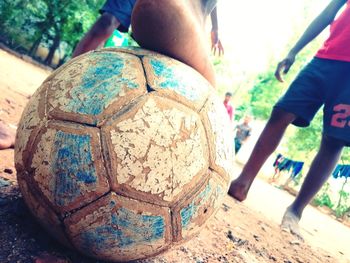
{"type": "Point", "coordinates": [247, 232]}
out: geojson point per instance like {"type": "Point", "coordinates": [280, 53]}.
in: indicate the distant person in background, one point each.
{"type": "Point", "coordinates": [325, 81]}
{"type": "Point", "coordinates": [243, 132]}
{"type": "Point", "coordinates": [228, 105]}
{"type": "Point", "coordinates": [7, 136]}
{"type": "Point", "coordinates": [171, 27]}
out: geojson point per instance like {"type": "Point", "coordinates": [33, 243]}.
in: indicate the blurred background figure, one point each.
{"type": "Point", "coordinates": [228, 106]}
{"type": "Point", "coordinates": [243, 133]}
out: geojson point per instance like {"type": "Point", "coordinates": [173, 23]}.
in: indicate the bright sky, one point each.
{"type": "Point", "coordinates": [254, 30]}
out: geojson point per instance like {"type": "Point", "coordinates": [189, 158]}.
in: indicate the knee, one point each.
{"type": "Point", "coordinates": [162, 14]}
{"type": "Point", "coordinates": [105, 25]}
{"type": "Point", "coordinates": [150, 23]}
{"type": "Point", "coordinates": [331, 143]}
{"type": "Point", "coordinates": [151, 5]}
{"type": "Point", "coordinates": [281, 117]}
{"type": "Point", "coordinates": [146, 10]}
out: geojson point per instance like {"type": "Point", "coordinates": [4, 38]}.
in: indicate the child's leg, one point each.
{"type": "Point", "coordinates": [97, 35]}
{"type": "Point", "coordinates": [321, 168]}
{"type": "Point", "coordinates": [7, 136]}
{"type": "Point", "coordinates": [267, 143]}
{"type": "Point", "coordinates": [272, 180]}
{"type": "Point", "coordinates": [174, 28]}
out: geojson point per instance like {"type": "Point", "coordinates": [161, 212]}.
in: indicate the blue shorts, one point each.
{"type": "Point", "coordinates": [122, 10]}
{"type": "Point", "coordinates": [321, 82]}
{"type": "Point", "coordinates": [208, 5]}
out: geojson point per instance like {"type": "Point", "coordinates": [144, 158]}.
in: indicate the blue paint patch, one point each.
{"type": "Point", "coordinates": [173, 81]}
{"type": "Point", "coordinates": [99, 86]}
{"type": "Point", "coordinates": [72, 166]}
{"type": "Point", "coordinates": [125, 230]}
{"type": "Point", "coordinates": [188, 213]}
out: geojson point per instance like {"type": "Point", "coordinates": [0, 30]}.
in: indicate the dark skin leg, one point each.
{"type": "Point", "coordinates": [174, 28]}
{"type": "Point", "coordinates": [320, 170]}
{"type": "Point", "coordinates": [99, 32]}
{"type": "Point", "coordinates": [266, 145]}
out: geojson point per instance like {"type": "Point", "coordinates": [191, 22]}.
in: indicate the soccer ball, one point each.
{"type": "Point", "coordinates": [122, 153]}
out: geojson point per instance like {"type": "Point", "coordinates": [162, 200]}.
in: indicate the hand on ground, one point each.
{"type": "Point", "coordinates": [7, 136]}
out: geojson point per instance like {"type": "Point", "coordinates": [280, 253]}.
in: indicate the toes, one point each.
{"type": "Point", "coordinates": [296, 232]}
{"type": "Point", "coordinates": [289, 226]}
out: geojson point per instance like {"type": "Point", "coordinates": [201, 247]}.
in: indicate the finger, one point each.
{"type": "Point", "coordinates": [278, 76]}
{"type": "Point", "coordinates": [222, 50]}
{"type": "Point", "coordinates": [278, 72]}
{"type": "Point", "coordinates": [287, 68]}
{"type": "Point", "coordinates": [213, 50]}
{"type": "Point", "coordinates": [219, 49]}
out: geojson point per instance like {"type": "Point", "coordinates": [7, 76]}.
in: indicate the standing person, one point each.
{"type": "Point", "coordinates": [324, 81]}
{"type": "Point", "coordinates": [228, 105]}
{"type": "Point", "coordinates": [171, 27]}
{"type": "Point", "coordinates": [243, 133]}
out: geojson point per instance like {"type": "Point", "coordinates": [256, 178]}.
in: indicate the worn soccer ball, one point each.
{"type": "Point", "coordinates": [123, 153]}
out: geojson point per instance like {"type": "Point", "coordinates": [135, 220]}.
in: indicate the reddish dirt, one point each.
{"type": "Point", "coordinates": [237, 233]}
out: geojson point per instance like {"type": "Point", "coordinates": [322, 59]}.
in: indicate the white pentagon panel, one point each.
{"type": "Point", "coordinates": [157, 150]}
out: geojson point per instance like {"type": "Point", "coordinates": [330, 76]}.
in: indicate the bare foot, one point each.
{"type": "Point", "coordinates": [290, 223]}
{"type": "Point", "coordinates": [239, 190]}
{"type": "Point", "coordinates": [7, 136]}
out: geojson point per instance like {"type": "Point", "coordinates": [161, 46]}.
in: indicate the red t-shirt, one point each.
{"type": "Point", "coordinates": [229, 109]}
{"type": "Point", "coordinates": [337, 46]}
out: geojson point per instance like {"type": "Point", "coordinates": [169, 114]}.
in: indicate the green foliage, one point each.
{"type": "Point", "coordinates": [342, 206]}
{"type": "Point", "coordinates": [16, 16]}
{"type": "Point", "coordinates": [264, 94]}
{"type": "Point", "coordinates": [323, 199]}
{"type": "Point", "coordinates": [304, 143]}
{"type": "Point", "coordinates": [26, 23]}
{"type": "Point", "coordinates": [224, 76]}
{"type": "Point", "coordinates": [267, 89]}
{"type": "Point", "coordinates": [131, 41]}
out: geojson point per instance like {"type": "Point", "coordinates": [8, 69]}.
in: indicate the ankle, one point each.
{"type": "Point", "coordinates": [295, 210]}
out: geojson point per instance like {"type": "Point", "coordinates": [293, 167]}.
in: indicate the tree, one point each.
{"type": "Point", "coordinates": [30, 23]}
{"type": "Point", "coordinates": [65, 22]}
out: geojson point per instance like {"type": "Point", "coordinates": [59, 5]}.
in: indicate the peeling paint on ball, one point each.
{"type": "Point", "coordinates": [122, 153]}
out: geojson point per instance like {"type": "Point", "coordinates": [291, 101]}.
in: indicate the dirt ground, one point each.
{"type": "Point", "coordinates": [247, 232]}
